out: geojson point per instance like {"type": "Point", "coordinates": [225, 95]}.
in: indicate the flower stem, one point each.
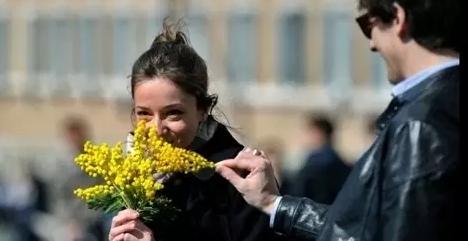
{"type": "Point", "coordinates": [127, 203]}
{"type": "Point", "coordinates": [123, 196]}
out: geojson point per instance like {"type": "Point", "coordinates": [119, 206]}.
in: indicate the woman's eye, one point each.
{"type": "Point", "coordinates": [142, 113]}
{"type": "Point", "coordinates": [174, 113]}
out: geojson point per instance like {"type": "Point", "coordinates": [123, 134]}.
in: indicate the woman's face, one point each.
{"type": "Point", "coordinates": [162, 103]}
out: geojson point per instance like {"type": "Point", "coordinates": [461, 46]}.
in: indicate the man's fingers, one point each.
{"type": "Point", "coordinates": [244, 150]}
{"type": "Point", "coordinates": [230, 175]}
{"type": "Point", "coordinates": [243, 161]}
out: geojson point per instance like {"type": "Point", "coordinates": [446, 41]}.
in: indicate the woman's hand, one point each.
{"type": "Point", "coordinates": [127, 227]}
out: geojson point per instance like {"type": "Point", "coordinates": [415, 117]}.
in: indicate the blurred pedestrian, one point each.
{"type": "Point", "coordinates": [324, 171]}
{"type": "Point", "coordinates": [59, 176]}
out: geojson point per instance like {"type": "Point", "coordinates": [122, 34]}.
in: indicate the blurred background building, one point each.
{"type": "Point", "coordinates": [270, 61]}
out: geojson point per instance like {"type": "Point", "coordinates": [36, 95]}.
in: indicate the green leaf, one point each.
{"type": "Point", "coordinates": [114, 206]}
{"type": "Point", "coordinates": [159, 212]}
{"type": "Point", "coordinates": [107, 203]}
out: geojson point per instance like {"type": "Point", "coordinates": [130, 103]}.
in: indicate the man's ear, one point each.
{"type": "Point", "coordinates": [400, 21]}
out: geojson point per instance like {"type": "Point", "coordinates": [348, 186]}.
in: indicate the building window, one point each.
{"type": "Point", "coordinates": [131, 37]}
{"type": "Point", "coordinates": [106, 67]}
{"type": "Point", "coordinates": [39, 43]}
{"type": "Point", "coordinates": [337, 54]}
{"type": "Point", "coordinates": [53, 46]}
{"type": "Point", "coordinates": [153, 27]}
{"type": "Point", "coordinates": [40, 62]}
{"type": "Point", "coordinates": [124, 50]}
{"type": "Point", "coordinates": [61, 45]}
{"type": "Point", "coordinates": [4, 86]}
{"type": "Point", "coordinates": [241, 58]}
{"type": "Point", "coordinates": [291, 48]}
{"type": "Point", "coordinates": [88, 47]}
{"type": "Point", "coordinates": [88, 64]}
{"type": "Point", "coordinates": [83, 53]}
{"type": "Point", "coordinates": [198, 35]}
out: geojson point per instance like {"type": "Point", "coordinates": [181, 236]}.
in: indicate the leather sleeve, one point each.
{"type": "Point", "coordinates": [299, 218]}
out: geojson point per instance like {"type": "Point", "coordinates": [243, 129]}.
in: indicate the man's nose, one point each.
{"type": "Point", "coordinates": [372, 46]}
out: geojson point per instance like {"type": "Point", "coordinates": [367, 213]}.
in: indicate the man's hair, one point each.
{"type": "Point", "coordinates": [323, 123]}
{"type": "Point", "coordinates": [433, 24]}
{"type": "Point", "coordinates": [76, 124]}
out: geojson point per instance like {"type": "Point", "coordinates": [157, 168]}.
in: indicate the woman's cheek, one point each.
{"type": "Point", "coordinates": [185, 133]}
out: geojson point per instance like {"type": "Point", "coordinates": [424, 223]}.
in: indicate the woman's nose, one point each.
{"type": "Point", "coordinates": [156, 123]}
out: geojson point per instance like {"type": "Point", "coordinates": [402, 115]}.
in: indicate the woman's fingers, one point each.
{"type": "Point", "coordinates": [121, 222]}
{"type": "Point", "coordinates": [124, 216]}
{"type": "Point", "coordinates": [124, 228]}
{"type": "Point", "coordinates": [119, 237]}
{"type": "Point", "coordinates": [132, 230]}
{"type": "Point", "coordinates": [162, 177]}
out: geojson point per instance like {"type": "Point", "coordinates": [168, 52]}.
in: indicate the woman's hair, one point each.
{"type": "Point", "coordinates": [171, 56]}
{"type": "Point", "coordinates": [434, 24]}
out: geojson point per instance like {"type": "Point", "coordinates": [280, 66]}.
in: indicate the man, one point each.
{"type": "Point", "coordinates": [405, 186]}
{"type": "Point", "coordinates": [324, 171]}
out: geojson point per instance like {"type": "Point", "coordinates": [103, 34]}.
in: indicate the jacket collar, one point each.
{"type": "Point", "coordinates": [422, 76]}
{"type": "Point", "coordinates": [409, 96]}
{"type": "Point", "coordinates": [205, 133]}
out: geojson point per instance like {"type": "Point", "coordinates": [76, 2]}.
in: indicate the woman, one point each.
{"type": "Point", "coordinates": [169, 84]}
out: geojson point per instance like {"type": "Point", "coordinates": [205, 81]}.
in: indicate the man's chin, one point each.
{"type": "Point", "coordinates": [394, 80]}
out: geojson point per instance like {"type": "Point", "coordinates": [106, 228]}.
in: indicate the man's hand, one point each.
{"type": "Point", "coordinates": [259, 187]}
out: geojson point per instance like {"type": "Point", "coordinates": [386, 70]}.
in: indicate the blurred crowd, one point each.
{"type": "Point", "coordinates": [37, 201]}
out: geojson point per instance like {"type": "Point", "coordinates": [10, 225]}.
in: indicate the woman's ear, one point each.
{"type": "Point", "coordinates": [202, 116]}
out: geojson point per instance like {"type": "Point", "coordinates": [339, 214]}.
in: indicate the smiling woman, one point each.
{"type": "Point", "coordinates": [169, 87]}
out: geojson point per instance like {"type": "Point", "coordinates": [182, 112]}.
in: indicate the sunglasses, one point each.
{"type": "Point", "coordinates": [365, 24]}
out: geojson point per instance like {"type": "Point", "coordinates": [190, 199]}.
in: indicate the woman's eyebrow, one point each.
{"type": "Point", "coordinates": [141, 107]}
{"type": "Point", "coordinates": [173, 105]}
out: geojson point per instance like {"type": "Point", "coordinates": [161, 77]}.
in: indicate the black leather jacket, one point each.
{"type": "Point", "coordinates": [406, 186]}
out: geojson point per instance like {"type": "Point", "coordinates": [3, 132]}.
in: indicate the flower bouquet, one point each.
{"type": "Point", "coordinates": [127, 177]}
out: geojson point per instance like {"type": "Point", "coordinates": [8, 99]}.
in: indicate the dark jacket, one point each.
{"type": "Point", "coordinates": [212, 209]}
{"type": "Point", "coordinates": [322, 175]}
{"type": "Point", "coordinates": [406, 186]}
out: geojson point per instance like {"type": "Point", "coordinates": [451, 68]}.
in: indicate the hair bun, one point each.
{"type": "Point", "coordinates": [171, 33]}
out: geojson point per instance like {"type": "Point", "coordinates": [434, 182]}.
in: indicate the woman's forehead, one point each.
{"type": "Point", "coordinates": [161, 91]}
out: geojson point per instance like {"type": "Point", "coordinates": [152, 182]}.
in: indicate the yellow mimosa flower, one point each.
{"type": "Point", "coordinates": [128, 177]}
